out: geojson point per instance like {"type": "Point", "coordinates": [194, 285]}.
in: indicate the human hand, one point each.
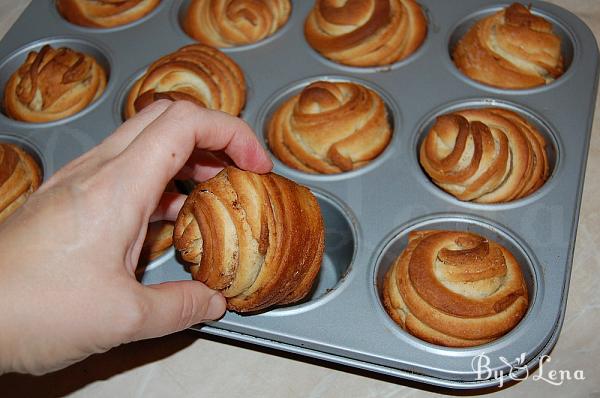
{"type": "Point", "coordinates": [67, 285]}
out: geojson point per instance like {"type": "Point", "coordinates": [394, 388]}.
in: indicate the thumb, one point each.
{"type": "Point", "coordinates": [174, 306]}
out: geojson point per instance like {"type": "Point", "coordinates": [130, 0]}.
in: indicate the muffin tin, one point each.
{"type": "Point", "coordinates": [368, 212]}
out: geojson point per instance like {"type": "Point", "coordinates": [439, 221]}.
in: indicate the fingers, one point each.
{"type": "Point", "coordinates": [128, 131]}
{"type": "Point", "coordinates": [202, 165]}
{"type": "Point", "coordinates": [112, 145]}
{"type": "Point", "coordinates": [174, 306]}
{"type": "Point", "coordinates": [168, 207]}
{"type": "Point", "coordinates": [165, 145]}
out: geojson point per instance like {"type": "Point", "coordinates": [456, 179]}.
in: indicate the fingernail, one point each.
{"type": "Point", "coordinates": [216, 307]}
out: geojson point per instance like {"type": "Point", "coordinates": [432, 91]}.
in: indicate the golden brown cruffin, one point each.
{"type": "Point", "coordinates": [456, 289]}
{"type": "Point", "coordinates": [20, 176]}
{"type": "Point", "coordinates": [159, 238]}
{"type": "Point", "coordinates": [365, 32]}
{"type": "Point", "coordinates": [53, 84]}
{"type": "Point", "coordinates": [196, 73]}
{"type": "Point", "coordinates": [487, 155]}
{"type": "Point", "coordinates": [226, 23]}
{"type": "Point", "coordinates": [330, 127]}
{"type": "Point", "coordinates": [511, 49]}
{"type": "Point", "coordinates": [104, 13]}
{"type": "Point", "coordinates": [259, 239]}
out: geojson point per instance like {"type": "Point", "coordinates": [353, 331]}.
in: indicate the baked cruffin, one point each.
{"type": "Point", "coordinates": [456, 289]}
{"type": "Point", "coordinates": [53, 84]}
{"type": "Point", "coordinates": [366, 33]}
{"type": "Point", "coordinates": [259, 239]}
{"type": "Point", "coordinates": [226, 23]}
{"type": "Point", "coordinates": [511, 49]}
{"type": "Point", "coordinates": [197, 73]}
{"type": "Point", "coordinates": [104, 13]}
{"type": "Point", "coordinates": [159, 238]}
{"type": "Point", "coordinates": [488, 155]}
{"type": "Point", "coordinates": [159, 235]}
{"type": "Point", "coordinates": [20, 175]}
{"type": "Point", "coordinates": [330, 127]}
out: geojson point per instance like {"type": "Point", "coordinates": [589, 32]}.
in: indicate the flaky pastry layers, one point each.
{"type": "Point", "coordinates": [455, 289]}
{"type": "Point", "coordinates": [159, 236]}
{"type": "Point", "coordinates": [197, 73]}
{"type": "Point", "coordinates": [104, 13]}
{"type": "Point", "coordinates": [259, 239]}
{"type": "Point", "coordinates": [511, 49]}
{"type": "Point", "coordinates": [228, 23]}
{"type": "Point", "coordinates": [53, 84]}
{"type": "Point", "coordinates": [487, 155]}
{"type": "Point", "coordinates": [330, 127]}
{"type": "Point", "coordinates": [365, 32]}
{"type": "Point", "coordinates": [20, 175]}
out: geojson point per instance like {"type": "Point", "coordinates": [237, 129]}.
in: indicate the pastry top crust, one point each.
{"type": "Point", "coordinates": [104, 13]}
{"type": "Point", "coordinates": [487, 155]}
{"type": "Point", "coordinates": [53, 84]}
{"type": "Point", "coordinates": [330, 127]}
{"type": "Point", "coordinates": [455, 288]}
{"type": "Point", "coordinates": [226, 23]}
{"type": "Point", "coordinates": [366, 33]}
{"type": "Point", "coordinates": [511, 49]}
{"type": "Point", "coordinates": [20, 175]}
{"type": "Point", "coordinates": [196, 73]}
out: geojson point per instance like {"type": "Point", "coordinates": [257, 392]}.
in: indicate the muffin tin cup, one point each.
{"type": "Point", "coordinates": [10, 64]}
{"type": "Point", "coordinates": [123, 93]}
{"type": "Point", "coordinates": [368, 212]}
{"type": "Point", "coordinates": [179, 9]}
{"type": "Point", "coordinates": [53, 11]}
{"type": "Point", "coordinates": [431, 25]}
{"type": "Point", "coordinates": [553, 150]}
{"type": "Point", "coordinates": [569, 48]}
{"type": "Point", "coordinates": [394, 245]}
{"type": "Point", "coordinates": [29, 147]}
{"type": "Point", "coordinates": [283, 94]}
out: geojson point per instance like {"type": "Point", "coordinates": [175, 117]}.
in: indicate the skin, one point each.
{"type": "Point", "coordinates": [67, 285]}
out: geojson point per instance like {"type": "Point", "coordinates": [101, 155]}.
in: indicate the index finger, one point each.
{"type": "Point", "coordinates": [164, 146]}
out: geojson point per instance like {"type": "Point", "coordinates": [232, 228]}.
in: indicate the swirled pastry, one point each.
{"type": "Point", "coordinates": [104, 13]}
{"type": "Point", "coordinates": [366, 32]}
{"type": "Point", "coordinates": [259, 239]}
{"type": "Point", "coordinates": [330, 127]}
{"type": "Point", "coordinates": [455, 289]}
{"type": "Point", "coordinates": [511, 49]}
{"type": "Point", "coordinates": [197, 73]}
{"type": "Point", "coordinates": [53, 84]}
{"type": "Point", "coordinates": [20, 175]}
{"type": "Point", "coordinates": [228, 23]}
{"type": "Point", "coordinates": [159, 237]}
{"type": "Point", "coordinates": [488, 155]}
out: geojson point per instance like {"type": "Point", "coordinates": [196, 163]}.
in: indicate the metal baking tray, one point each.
{"type": "Point", "coordinates": [368, 212]}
